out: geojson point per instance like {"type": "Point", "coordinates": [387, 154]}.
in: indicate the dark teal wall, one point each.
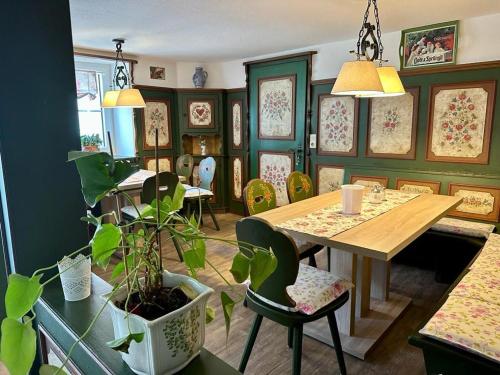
{"type": "Point", "coordinates": [38, 126]}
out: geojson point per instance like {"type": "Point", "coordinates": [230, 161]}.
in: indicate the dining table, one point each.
{"type": "Point", "coordinates": [362, 247]}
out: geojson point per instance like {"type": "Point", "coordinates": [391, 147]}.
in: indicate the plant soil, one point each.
{"type": "Point", "coordinates": [164, 301]}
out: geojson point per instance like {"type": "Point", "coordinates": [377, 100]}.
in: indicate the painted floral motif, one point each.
{"type": "Point", "coordinates": [156, 117]}
{"type": "Point", "coordinates": [200, 114]}
{"type": "Point", "coordinates": [256, 189]}
{"type": "Point", "coordinates": [466, 227]}
{"type": "Point", "coordinates": [236, 125]}
{"type": "Point", "coordinates": [488, 259]}
{"type": "Point", "coordinates": [164, 165]}
{"type": "Point", "coordinates": [237, 178]}
{"type": "Point", "coordinates": [276, 107]}
{"type": "Point", "coordinates": [329, 179]}
{"type": "Point", "coordinates": [459, 122]}
{"type": "Point", "coordinates": [481, 285]}
{"type": "Point", "coordinates": [275, 168]}
{"type": "Point", "coordinates": [183, 333]}
{"type": "Point", "coordinates": [330, 221]}
{"type": "Point", "coordinates": [336, 124]}
{"type": "Point", "coordinates": [475, 202]}
{"type": "Point", "coordinates": [420, 189]}
{"type": "Point", "coordinates": [391, 121]}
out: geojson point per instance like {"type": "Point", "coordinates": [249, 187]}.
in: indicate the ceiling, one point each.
{"type": "Point", "coordinates": [219, 30]}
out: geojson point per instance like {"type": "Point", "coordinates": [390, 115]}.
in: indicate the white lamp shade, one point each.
{"type": "Point", "coordinates": [131, 98]}
{"type": "Point", "coordinates": [357, 78]}
{"type": "Point", "coordinates": [390, 82]}
{"type": "Point", "coordinates": [110, 98]}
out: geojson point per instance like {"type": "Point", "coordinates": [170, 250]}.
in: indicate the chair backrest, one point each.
{"type": "Point", "coordinates": [168, 183]}
{"type": "Point", "coordinates": [206, 172]}
{"type": "Point", "coordinates": [184, 165]}
{"type": "Point", "coordinates": [299, 187]}
{"type": "Point", "coordinates": [257, 232]}
{"type": "Point", "coordinates": [258, 196]}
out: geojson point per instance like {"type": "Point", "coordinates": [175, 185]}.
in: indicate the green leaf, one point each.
{"type": "Point", "coordinates": [99, 173]}
{"type": "Point", "coordinates": [178, 199]}
{"type": "Point", "coordinates": [262, 265]}
{"type": "Point", "coordinates": [22, 293]}
{"type": "Point", "coordinates": [18, 346]}
{"type": "Point", "coordinates": [227, 307]}
{"type": "Point", "coordinates": [123, 343]}
{"type": "Point", "coordinates": [106, 239]}
{"type": "Point", "coordinates": [240, 269]}
{"type": "Point", "coordinates": [209, 314]}
{"type": "Point", "coordinates": [194, 258]}
{"type": "Point", "coordinates": [50, 370]}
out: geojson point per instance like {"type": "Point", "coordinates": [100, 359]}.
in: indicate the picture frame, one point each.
{"type": "Point", "coordinates": [449, 137]}
{"type": "Point", "coordinates": [369, 180]}
{"type": "Point", "coordinates": [237, 174]}
{"type": "Point", "coordinates": [480, 202]}
{"type": "Point", "coordinates": [335, 140]}
{"type": "Point", "coordinates": [236, 124]}
{"type": "Point", "coordinates": [276, 107]}
{"type": "Point", "coordinates": [336, 175]}
{"type": "Point", "coordinates": [157, 72]}
{"type": "Point", "coordinates": [418, 186]}
{"type": "Point", "coordinates": [166, 163]}
{"type": "Point", "coordinates": [284, 162]}
{"type": "Point", "coordinates": [201, 113]}
{"type": "Point", "coordinates": [429, 46]}
{"type": "Point", "coordinates": [157, 113]}
{"type": "Point", "coordinates": [392, 126]}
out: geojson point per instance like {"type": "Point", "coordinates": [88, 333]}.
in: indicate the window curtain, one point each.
{"type": "Point", "coordinates": [86, 84]}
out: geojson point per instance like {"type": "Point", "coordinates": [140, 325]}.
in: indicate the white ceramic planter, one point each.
{"type": "Point", "coordinates": [170, 342]}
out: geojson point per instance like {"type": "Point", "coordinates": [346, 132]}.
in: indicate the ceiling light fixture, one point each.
{"type": "Point", "coordinates": [362, 78]}
{"type": "Point", "coordinates": [122, 94]}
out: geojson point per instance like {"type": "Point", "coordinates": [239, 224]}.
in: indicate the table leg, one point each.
{"type": "Point", "coordinates": [363, 286]}
{"type": "Point", "coordinates": [381, 275]}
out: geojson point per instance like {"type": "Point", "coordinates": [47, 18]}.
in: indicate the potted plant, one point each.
{"type": "Point", "coordinates": [90, 142]}
{"type": "Point", "coordinates": [159, 316]}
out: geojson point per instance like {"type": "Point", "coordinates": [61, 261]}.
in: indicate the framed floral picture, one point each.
{"type": "Point", "coordinates": [479, 202]}
{"type": "Point", "coordinates": [392, 126]}
{"type": "Point", "coordinates": [200, 113]}
{"type": "Point", "coordinates": [237, 123]}
{"type": "Point", "coordinates": [274, 167]}
{"type": "Point", "coordinates": [369, 180]}
{"type": "Point", "coordinates": [337, 125]}
{"type": "Point", "coordinates": [460, 121]}
{"type": "Point", "coordinates": [418, 186]}
{"type": "Point", "coordinates": [276, 107]}
{"type": "Point", "coordinates": [237, 168]}
{"type": "Point", "coordinates": [165, 163]}
{"type": "Point", "coordinates": [157, 116]}
{"type": "Point", "coordinates": [328, 178]}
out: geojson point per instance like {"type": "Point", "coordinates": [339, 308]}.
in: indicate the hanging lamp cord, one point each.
{"type": "Point", "coordinates": [119, 58]}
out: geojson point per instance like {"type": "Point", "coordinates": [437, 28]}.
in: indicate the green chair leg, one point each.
{"type": "Point", "coordinates": [297, 349]}
{"type": "Point", "coordinates": [332, 322]}
{"type": "Point", "coordinates": [251, 340]}
{"type": "Point", "coordinates": [290, 337]}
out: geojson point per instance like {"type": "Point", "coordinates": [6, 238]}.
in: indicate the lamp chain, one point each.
{"type": "Point", "coordinates": [361, 31]}
{"type": "Point", "coordinates": [379, 31]}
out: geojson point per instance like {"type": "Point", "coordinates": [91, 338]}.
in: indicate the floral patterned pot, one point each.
{"type": "Point", "coordinates": [91, 148]}
{"type": "Point", "coordinates": [171, 341]}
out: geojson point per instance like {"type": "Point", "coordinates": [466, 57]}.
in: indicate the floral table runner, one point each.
{"type": "Point", "coordinates": [330, 221]}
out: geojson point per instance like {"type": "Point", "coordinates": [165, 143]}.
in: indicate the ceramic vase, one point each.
{"type": "Point", "coordinates": [199, 77]}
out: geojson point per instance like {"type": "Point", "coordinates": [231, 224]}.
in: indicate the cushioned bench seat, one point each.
{"type": "Point", "coordinates": [464, 227]}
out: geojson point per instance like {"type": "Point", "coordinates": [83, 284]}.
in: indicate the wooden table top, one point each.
{"type": "Point", "coordinates": [381, 237]}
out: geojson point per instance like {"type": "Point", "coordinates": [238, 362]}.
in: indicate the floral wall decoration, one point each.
{"type": "Point", "coordinates": [276, 108]}
{"type": "Point", "coordinates": [337, 125]}
{"type": "Point", "coordinates": [201, 114]}
{"type": "Point", "coordinates": [392, 126]}
{"type": "Point", "coordinates": [237, 123]}
{"type": "Point", "coordinates": [328, 178]}
{"type": "Point", "coordinates": [237, 178]}
{"type": "Point", "coordinates": [460, 122]}
{"type": "Point", "coordinates": [274, 168]}
{"type": "Point", "coordinates": [369, 180]}
{"type": "Point", "coordinates": [479, 202]}
{"type": "Point", "coordinates": [418, 186]}
{"type": "Point", "coordinates": [156, 116]}
{"type": "Point", "coordinates": [164, 163]}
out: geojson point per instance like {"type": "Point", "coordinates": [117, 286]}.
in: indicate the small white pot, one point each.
{"type": "Point", "coordinates": [171, 341]}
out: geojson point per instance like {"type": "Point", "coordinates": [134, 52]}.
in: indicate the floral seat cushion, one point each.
{"type": "Point", "coordinates": [488, 259]}
{"type": "Point", "coordinates": [468, 323]}
{"type": "Point", "coordinates": [481, 285]}
{"type": "Point", "coordinates": [465, 227]}
{"type": "Point", "coordinates": [313, 290]}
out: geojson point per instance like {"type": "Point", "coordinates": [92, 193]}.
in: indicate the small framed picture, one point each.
{"type": "Point", "coordinates": [201, 114]}
{"type": "Point", "coordinates": [164, 162]}
{"type": "Point", "coordinates": [156, 72]}
{"type": "Point", "coordinates": [418, 186]}
{"type": "Point", "coordinates": [328, 178]}
{"type": "Point", "coordinates": [369, 181]}
{"type": "Point", "coordinates": [479, 202]}
{"type": "Point", "coordinates": [432, 45]}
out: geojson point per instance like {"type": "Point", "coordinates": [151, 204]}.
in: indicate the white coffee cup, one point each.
{"type": "Point", "coordinates": [352, 197]}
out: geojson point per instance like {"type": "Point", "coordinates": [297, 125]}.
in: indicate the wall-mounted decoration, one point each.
{"type": "Point", "coordinates": [328, 178]}
{"type": "Point", "coordinates": [201, 114]}
{"type": "Point", "coordinates": [392, 126]}
{"type": "Point", "coordinates": [369, 180]}
{"type": "Point", "coordinates": [431, 45]}
{"type": "Point", "coordinates": [165, 163]}
{"type": "Point", "coordinates": [156, 72]}
{"type": "Point", "coordinates": [479, 202]}
{"type": "Point", "coordinates": [418, 186]}
{"type": "Point", "coordinates": [199, 77]}
{"type": "Point", "coordinates": [276, 107]}
{"type": "Point", "coordinates": [337, 125]}
{"type": "Point", "coordinates": [237, 123]}
{"type": "Point", "coordinates": [237, 168]}
{"type": "Point", "coordinates": [460, 122]}
{"type": "Point", "coordinates": [156, 116]}
{"type": "Point", "coordinates": [274, 167]}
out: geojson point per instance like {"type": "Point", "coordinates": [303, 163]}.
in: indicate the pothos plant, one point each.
{"type": "Point", "coordinates": [140, 270]}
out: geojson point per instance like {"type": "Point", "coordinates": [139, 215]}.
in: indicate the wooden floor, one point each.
{"type": "Point", "coordinates": [393, 355]}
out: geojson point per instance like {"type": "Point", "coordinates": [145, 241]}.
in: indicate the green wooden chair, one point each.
{"type": "Point", "coordinates": [184, 166]}
{"type": "Point", "coordinates": [259, 196]}
{"type": "Point", "coordinates": [293, 295]}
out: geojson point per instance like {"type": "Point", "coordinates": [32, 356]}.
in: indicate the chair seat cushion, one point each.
{"type": "Point", "coordinates": [132, 212]}
{"type": "Point", "coordinates": [480, 284]}
{"type": "Point", "coordinates": [464, 227]}
{"type": "Point", "coordinates": [488, 259]}
{"type": "Point", "coordinates": [313, 290]}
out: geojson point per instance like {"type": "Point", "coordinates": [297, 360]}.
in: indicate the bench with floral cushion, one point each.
{"type": "Point", "coordinates": [464, 227]}
{"type": "Point", "coordinates": [463, 335]}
